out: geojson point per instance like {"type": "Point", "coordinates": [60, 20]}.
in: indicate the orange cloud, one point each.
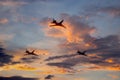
{"type": "Point", "coordinates": [51, 70]}
{"type": "Point", "coordinates": [61, 70]}
{"type": "Point", "coordinates": [23, 67]}
{"type": "Point", "coordinates": [77, 34]}
{"type": "Point", "coordinates": [17, 58]}
{"type": "Point", "coordinates": [109, 68]}
{"type": "Point", "coordinates": [114, 68]}
{"type": "Point", "coordinates": [18, 54]}
{"type": "Point", "coordinates": [75, 31]}
{"type": "Point", "coordinates": [94, 55]}
{"type": "Point", "coordinates": [109, 60]}
{"type": "Point", "coordinates": [42, 52]}
{"type": "Point", "coordinates": [54, 32]}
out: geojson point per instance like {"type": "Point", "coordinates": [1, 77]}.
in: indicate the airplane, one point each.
{"type": "Point", "coordinates": [57, 23]}
{"type": "Point", "coordinates": [30, 53]}
{"type": "Point", "coordinates": [49, 76]}
{"type": "Point", "coordinates": [81, 53]}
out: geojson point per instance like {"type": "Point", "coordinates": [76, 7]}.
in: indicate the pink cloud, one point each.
{"type": "Point", "coordinates": [3, 20]}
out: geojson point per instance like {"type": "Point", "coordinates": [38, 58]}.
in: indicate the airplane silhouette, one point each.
{"type": "Point", "coordinates": [30, 53]}
{"type": "Point", "coordinates": [49, 76]}
{"type": "Point", "coordinates": [81, 53]}
{"type": "Point", "coordinates": [54, 21]}
{"type": "Point", "coordinates": [57, 23]}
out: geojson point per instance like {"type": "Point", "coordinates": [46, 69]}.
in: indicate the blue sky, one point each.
{"type": "Point", "coordinates": [91, 25]}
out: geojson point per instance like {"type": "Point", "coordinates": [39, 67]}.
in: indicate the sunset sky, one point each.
{"type": "Point", "coordinates": [91, 25]}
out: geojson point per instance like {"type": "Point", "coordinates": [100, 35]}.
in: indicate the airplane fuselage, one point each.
{"type": "Point", "coordinates": [81, 53]}
{"type": "Point", "coordinates": [30, 53]}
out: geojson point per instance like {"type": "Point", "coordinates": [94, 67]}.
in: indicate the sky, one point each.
{"type": "Point", "coordinates": [91, 25]}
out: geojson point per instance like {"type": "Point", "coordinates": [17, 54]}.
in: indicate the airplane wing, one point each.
{"type": "Point", "coordinates": [33, 51]}
{"type": "Point", "coordinates": [84, 51]}
{"type": "Point", "coordinates": [52, 25]}
{"type": "Point", "coordinates": [63, 26]}
{"type": "Point", "coordinates": [35, 54]}
{"type": "Point", "coordinates": [61, 22]}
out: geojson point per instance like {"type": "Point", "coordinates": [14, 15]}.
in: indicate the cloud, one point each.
{"type": "Point", "coordinates": [102, 52]}
{"type": "Point", "coordinates": [29, 59]}
{"type": "Point", "coordinates": [62, 64]}
{"type": "Point", "coordinates": [91, 11]}
{"type": "Point", "coordinates": [18, 2]}
{"type": "Point", "coordinates": [3, 20]}
{"type": "Point", "coordinates": [32, 58]}
{"type": "Point", "coordinates": [4, 58]}
{"type": "Point", "coordinates": [24, 67]}
{"type": "Point", "coordinates": [12, 3]}
{"type": "Point", "coordinates": [77, 35]}
{"type": "Point", "coordinates": [44, 69]}
{"type": "Point", "coordinates": [5, 37]}
{"type": "Point", "coordinates": [20, 66]}
{"type": "Point", "coordinates": [59, 57]}
{"type": "Point", "coordinates": [108, 47]}
{"type": "Point", "coordinates": [8, 62]}
{"type": "Point", "coordinates": [107, 51]}
{"type": "Point", "coordinates": [114, 11]}
{"type": "Point", "coordinates": [17, 78]}
{"type": "Point", "coordinates": [20, 57]}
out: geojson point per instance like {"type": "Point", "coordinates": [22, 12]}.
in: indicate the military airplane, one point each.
{"type": "Point", "coordinates": [30, 53]}
{"type": "Point", "coordinates": [81, 53]}
{"type": "Point", "coordinates": [57, 23]}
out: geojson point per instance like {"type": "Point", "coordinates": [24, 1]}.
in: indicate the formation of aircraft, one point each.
{"type": "Point", "coordinates": [81, 53]}
{"type": "Point", "coordinates": [55, 23]}
{"type": "Point", "coordinates": [30, 53]}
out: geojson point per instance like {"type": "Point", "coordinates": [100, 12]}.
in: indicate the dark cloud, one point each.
{"type": "Point", "coordinates": [101, 51]}
{"type": "Point", "coordinates": [29, 59]}
{"type": "Point", "coordinates": [62, 64]}
{"type": "Point", "coordinates": [17, 78]}
{"type": "Point", "coordinates": [106, 48]}
{"type": "Point", "coordinates": [15, 62]}
{"type": "Point", "coordinates": [4, 58]}
{"type": "Point", "coordinates": [59, 57]}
